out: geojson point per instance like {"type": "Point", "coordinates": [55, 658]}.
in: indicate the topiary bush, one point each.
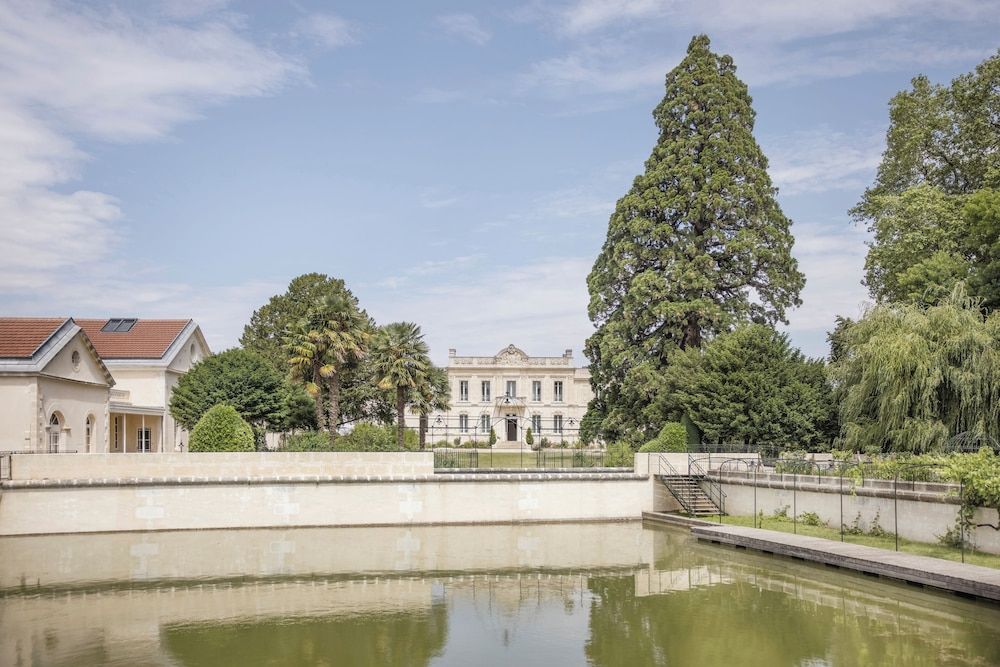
{"type": "Point", "coordinates": [221, 429]}
{"type": "Point", "coordinates": [365, 437]}
{"type": "Point", "coordinates": [672, 438]}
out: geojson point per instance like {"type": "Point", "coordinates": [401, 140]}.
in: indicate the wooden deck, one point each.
{"type": "Point", "coordinates": [971, 580]}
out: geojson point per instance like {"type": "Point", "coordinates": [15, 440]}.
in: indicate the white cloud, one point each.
{"type": "Point", "coordinates": [781, 19]}
{"type": "Point", "coordinates": [832, 257]}
{"type": "Point", "coordinates": [822, 159]}
{"type": "Point", "coordinates": [67, 75]}
{"type": "Point", "coordinates": [328, 30]}
{"type": "Point", "coordinates": [541, 306]}
{"type": "Point", "coordinates": [465, 26]}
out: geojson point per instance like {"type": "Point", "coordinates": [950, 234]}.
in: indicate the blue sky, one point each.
{"type": "Point", "coordinates": [455, 163]}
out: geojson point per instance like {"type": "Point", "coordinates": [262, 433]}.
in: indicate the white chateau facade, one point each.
{"type": "Point", "coordinates": [511, 392]}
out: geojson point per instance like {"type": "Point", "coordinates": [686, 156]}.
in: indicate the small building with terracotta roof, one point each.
{"type": "Point", "coordinates": [93, 385]}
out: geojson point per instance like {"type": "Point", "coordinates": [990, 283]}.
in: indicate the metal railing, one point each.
{"type": "Point", "coordinates": [714, 488]}
{"type": "Point", "coordinates": [523, 459]}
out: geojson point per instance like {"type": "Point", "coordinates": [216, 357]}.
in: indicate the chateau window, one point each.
{"type": "Point", "coordinates": [486, 391]}
{"type": "Point", "coordinates": [463, 390]}
{"type": "Point", "coordinates": [557, 391]}
{"type": "Point", "coordinates": [143, 440]}
{"type": "Point", "coordinates": [557, 424]}
{"type": "Point", "coordinates": [484, 424]}
{"type": "Point", "coordinates": [536, 390]}
{"type": "Point", "coordinates": [463, 422]}
{"type": "Point", "coordinates": [536, 423]}
{"type": "Point", "coordinates": [511, 388]}
{"type": "Point", "coordinates": [89, 432]}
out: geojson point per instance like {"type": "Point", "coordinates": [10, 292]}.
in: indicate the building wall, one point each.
{"type": "Point", "coordinates": [74, 401]}
{"type": "Point", "coordinates": [511, 364]}
{"type": "Point", "coordinates": [18, 413]}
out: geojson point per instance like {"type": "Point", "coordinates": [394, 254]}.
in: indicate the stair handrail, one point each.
{"type": "Point", "coordinates": [714, 486]}
{"type": "Point", "coordinates": [666, 469]}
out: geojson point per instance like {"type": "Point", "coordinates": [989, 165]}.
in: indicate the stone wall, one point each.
{"type": "Point", "coordinates": [917, 511]}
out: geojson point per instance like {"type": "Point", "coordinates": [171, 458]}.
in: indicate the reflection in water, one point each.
{"type": "Point", "coordinates": [603, 594]}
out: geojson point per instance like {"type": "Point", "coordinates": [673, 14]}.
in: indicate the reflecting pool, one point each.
{"type": "Point", "coordinates": [555, 594]}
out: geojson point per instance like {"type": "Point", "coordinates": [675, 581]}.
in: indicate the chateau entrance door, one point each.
{"type": "Point", "coordinates": [511, 428]}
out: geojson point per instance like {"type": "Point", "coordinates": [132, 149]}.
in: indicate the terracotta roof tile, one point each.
{"type": "Point", "coordinates": [147, 339]}
{"type": "Point", "coordinates": [21, 336]}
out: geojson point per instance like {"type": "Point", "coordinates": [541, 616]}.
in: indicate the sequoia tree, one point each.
{"type": "Point", "coordinates": [698, 244]}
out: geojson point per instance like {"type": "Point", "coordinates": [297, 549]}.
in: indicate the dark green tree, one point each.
{"type": "Point", "coordinates": [435, 395]}
{"type": "Point", "coordinates": [239, 378]}
{"type": "Point", "coordinates": [267, 334]}
{"type": "Point", "coordinates": [697, 245]}
{"type": "Point", "coordinates": [981, 215]}
{"type": "Point", "coordinates": [751, 386]}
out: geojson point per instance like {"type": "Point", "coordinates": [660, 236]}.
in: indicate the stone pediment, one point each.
{"type": "Point", "coordinates": [511, 355]}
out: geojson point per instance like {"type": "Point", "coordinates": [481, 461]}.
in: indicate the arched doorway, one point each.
{"type": "Point", "coordinates": [55, 432]}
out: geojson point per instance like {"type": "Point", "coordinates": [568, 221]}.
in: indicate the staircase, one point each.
{"type": "Point", "coordinates": [689, 494]}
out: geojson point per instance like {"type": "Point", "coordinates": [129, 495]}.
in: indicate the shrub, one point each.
{"type": "Point", "coordinates": [221, 429]}
{"type": "Point", "coordinates": [441, 444]}
{"type": "Point", "coordinates": [529, 437]}
{"type": "Point", "coordinates": [457, 441]}
{"type": "Point", "coordinates": [672, 438]}
{"type": "Point", "coordinates": [493, 437]}
{"type": "Point", "coordinates": [620, 455]}
{"type": "Point", "coordinates": [811, 519]}
{"type": "Point", "coordinates": [309, 441]}
{"type": "Point", "coordinates": [367, 437]}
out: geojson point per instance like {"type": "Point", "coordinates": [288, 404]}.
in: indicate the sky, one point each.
{"type": "Point", "coordinates": [455, 163]}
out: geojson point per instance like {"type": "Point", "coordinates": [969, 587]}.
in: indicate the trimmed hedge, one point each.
{"type": "Point", "coordinates": [221, 429]}
{"type": "Point", "coordinates": [672, 438]}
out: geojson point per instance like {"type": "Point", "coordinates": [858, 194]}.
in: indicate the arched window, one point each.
{"type": "Point", "coordinates": [75, 359]}
{"type": "Point", "coordinates": [55, 432]}
{"type": "Point", "coordinates": [89, 432]}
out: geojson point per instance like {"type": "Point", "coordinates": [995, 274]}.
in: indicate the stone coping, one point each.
{"type": "Point", "coordinates": [13, 485]}
{"type": "Point", "coordinates": [927, 492]}
{"type": "Point", "coordinates": [974, 580]}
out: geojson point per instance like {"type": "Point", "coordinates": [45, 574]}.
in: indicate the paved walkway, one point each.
{"type": "Point", "coordinates": [982, 582]}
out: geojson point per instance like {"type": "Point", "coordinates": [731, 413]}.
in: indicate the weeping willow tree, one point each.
{"type": "Point", "coordinates": [909, 377]}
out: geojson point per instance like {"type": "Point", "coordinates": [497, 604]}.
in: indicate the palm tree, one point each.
{"type": "Point", "coordinates": [333, 334]}
{"type": "Point", "coordinates": [435, 395]}
{"type": "Point", "coordinates": [401, 362]}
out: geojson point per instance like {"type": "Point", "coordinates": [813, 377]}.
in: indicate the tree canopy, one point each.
{"type": "Point", "coordinates": [930, 210]}
{"type": "Point", "coordinates": [751, 386]}
{"type": "Point", "coordinates": [402, 365]}
{"type": "Point", "coordinates": [909, 376]}
{"type": "Point", "coordinates": [697, 245]}
{"type": "Point", "coordinates": [239, 378]}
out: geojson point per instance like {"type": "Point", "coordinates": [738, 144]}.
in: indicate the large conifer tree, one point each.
{"type": "Point", "coordinates": [698, 244]}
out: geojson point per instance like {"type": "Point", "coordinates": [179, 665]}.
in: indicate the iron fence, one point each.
{"type": "Point", "coordinates": [500, 459]}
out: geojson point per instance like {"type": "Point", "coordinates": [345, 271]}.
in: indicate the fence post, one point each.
{"type": "Point", "coordinates": [795, 504]}
{"type": "Point", "coordinates": [961, 518]}
{"type": "Point", "coordinates": [895, 509]}
{"type": "Point", "coordinates": [841, 504]}
{"type": "Point", "coordinates": [755, 497]}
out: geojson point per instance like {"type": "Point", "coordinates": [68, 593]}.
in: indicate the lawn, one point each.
{"type": "Point", "coordinates": [562, 458]}
{"type": "Point", "coordinates": [886, 541]}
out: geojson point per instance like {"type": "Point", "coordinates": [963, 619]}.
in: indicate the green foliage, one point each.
{"type": "Point", "coordinates": [529, 437]}
{"type": "Point", "coordinates": [221, 429]}
{"type": "Point", "coordinates": [238, 378]}
{"type": "Point", "coordinates": [308, 441]}
{"type": "Point", "coordinates": [941, 149]}
{"type": "Point", "coordinates": [493, 437]}
{"type": "Point", "coordinates": [811, 519]}
{"type": "Point", "coordinates": [913, 376]}
{"type": "Point", "coordinates": [271, 325]}
{"type": "Point", "coordinates": [698, 244]}
{"type": "Point", "coordinates": [750, 386]}
{"type": "Point", "coordinates": [620, 455]}
{"type": "Point", "coordinates": [402, 365]}
{"type": "Point", "coordinates": [981, 215]}
{"type": "Point", "coordinates": [672, 438]}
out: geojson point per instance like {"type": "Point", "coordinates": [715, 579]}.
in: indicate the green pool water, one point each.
{"type": "Point", "coordinates": [555, 594]}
